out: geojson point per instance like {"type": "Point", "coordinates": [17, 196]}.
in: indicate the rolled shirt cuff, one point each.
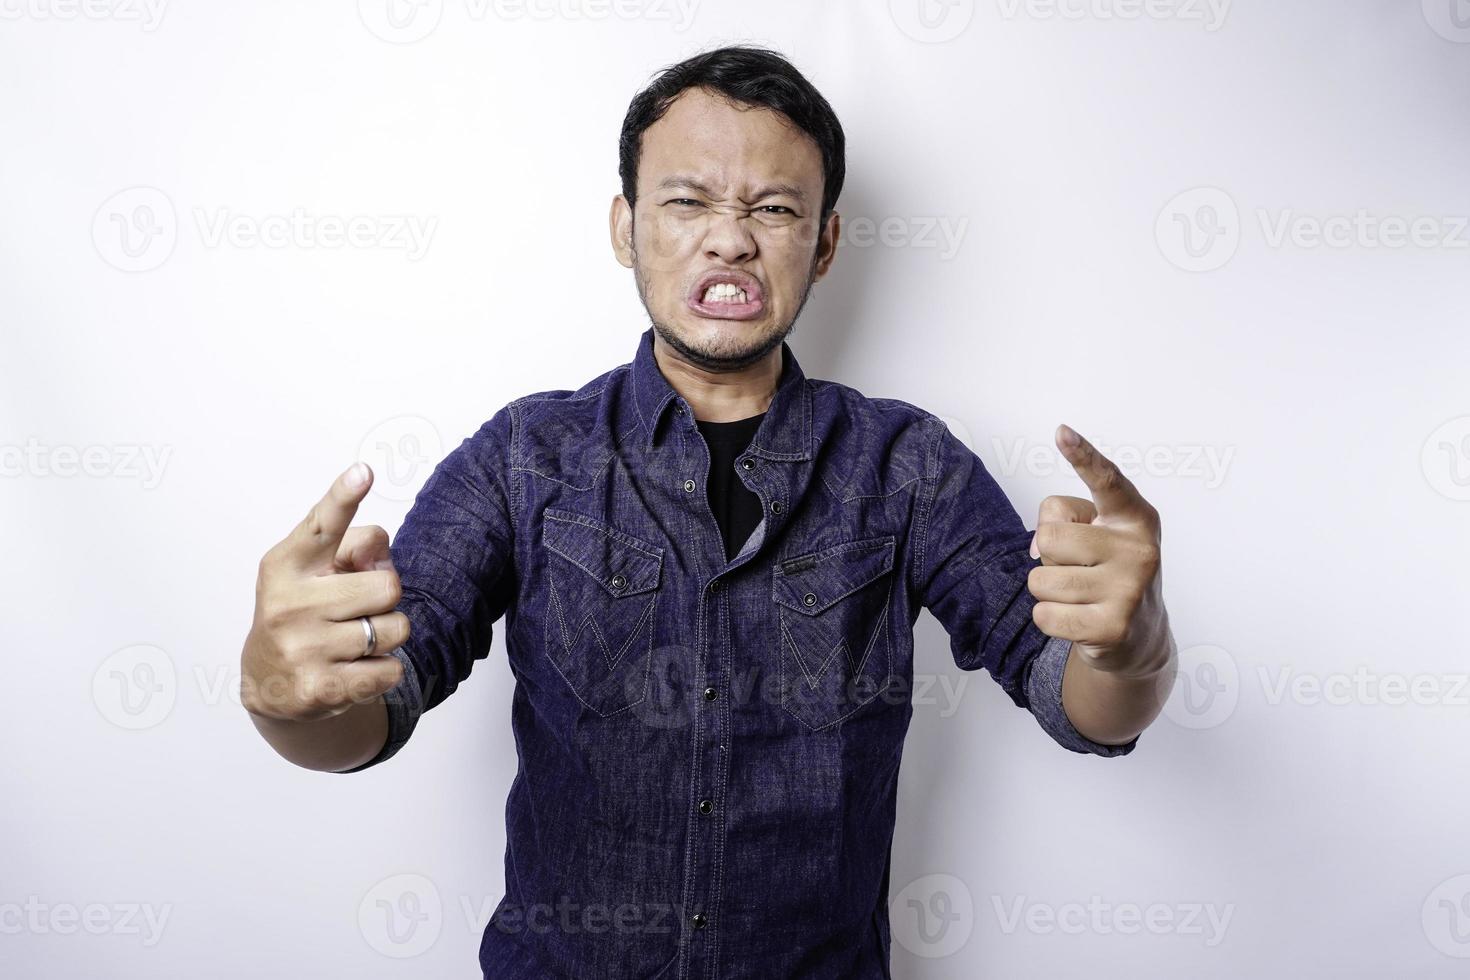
{"type": "Point", "coordinates": [1044, 691]}
{"type": "Point", "coordinates": [405, 703]}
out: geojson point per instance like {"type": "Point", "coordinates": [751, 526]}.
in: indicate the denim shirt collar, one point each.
{"type": "Point", "coordinates": [784, 434]}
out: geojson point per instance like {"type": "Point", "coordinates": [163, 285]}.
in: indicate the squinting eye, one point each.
{"type": "Point", "coordinates": [778, 207]}
{"type": "Point", "coordinates": [684, 200]}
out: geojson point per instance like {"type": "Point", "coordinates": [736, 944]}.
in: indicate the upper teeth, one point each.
{"type": "Point", "coordinates": [724, 292]}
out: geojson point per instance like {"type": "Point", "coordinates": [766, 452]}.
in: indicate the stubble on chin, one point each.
{"type": "Point", "coordinates": [708, 357]}
{"type": "Point", "coordinates": [712, 358]}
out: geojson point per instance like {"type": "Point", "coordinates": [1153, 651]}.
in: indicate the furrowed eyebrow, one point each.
{"type": "Point", "coordinates": [681, 181]}
{"type": "Point", "coordinates": [770, 190]}
{"type": "Point", "coordinates": [780, 190]}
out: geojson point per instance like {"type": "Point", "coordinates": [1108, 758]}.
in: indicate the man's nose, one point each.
{"type": "Point", "coordinates": [729, 237]}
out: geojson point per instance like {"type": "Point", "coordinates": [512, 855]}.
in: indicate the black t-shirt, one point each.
{"type": "Point", "coordinates": [736, 508]}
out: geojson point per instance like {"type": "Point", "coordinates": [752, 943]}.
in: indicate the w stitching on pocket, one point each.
{"type": "Point", "coordinates": [822, 611]}
{"type": "Point", "coordinates": [842, 645]}
{"type": "Point", "coordinates": [569, 639]}
{"type": "Point", "coordinates": [602, 588]}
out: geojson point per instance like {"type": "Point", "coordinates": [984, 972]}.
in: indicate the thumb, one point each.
{"type": "Point", "coordinates": [1059, 509]}
{"type": "Point", "coordinates": [364, 549]}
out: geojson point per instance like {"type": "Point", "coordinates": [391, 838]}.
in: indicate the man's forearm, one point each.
{"type": "Point", "coordinates": [333, 744]}
{"type": "Point", "coordinates": [1112, 707]}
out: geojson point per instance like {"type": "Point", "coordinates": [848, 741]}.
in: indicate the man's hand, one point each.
{"type": "Point", "coordinates": [303, 658]}
{"type": "Point", "coordinates": [1100, 584]}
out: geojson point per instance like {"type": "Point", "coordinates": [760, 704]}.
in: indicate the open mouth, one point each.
{"type": "Point", "coordinates": [727, 296]}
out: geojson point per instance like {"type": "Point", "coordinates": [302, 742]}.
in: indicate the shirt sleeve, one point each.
{"type": "Point", "coordinates": [455, 558]}
{"type": "Point", "coordinates": [973, 562]}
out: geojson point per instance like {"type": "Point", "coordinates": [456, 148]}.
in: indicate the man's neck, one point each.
{"type": "Point", "coordinates": [721, 396]}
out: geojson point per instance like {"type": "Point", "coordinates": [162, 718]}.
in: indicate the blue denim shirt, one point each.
{"type": "Point", "coordinates": [709, 749]}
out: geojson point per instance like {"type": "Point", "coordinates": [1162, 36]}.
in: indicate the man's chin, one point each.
{"type": "Point", "coordinates": [720, 345]}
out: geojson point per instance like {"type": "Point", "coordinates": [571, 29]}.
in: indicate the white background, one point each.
{"type": "Point", "coordinates": [1307, 780]}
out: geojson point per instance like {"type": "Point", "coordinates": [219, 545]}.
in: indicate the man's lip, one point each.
{"type": "Point", "coordinates": [728, 311]}
{"type": "Point", "coordinates": [753, 307]}
{"type": "Point", "coordinates": [743, 280]}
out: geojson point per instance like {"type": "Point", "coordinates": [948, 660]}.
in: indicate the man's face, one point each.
{"type": "Point", "coordinates": [730, 197]}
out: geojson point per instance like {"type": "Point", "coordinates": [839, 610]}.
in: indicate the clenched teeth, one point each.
{"type": "Point", "coordinates": [724, 292]}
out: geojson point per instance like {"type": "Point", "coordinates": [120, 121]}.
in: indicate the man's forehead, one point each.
{"type": "Point", "coordinates": [705, 139]}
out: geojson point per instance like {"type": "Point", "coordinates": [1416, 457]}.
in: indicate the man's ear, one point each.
{"type": "Point", "coordinates": [827, 245]}
{"type": "Point", "coordinates": [620, 227]}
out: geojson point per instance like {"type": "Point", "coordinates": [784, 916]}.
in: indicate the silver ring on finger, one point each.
{"type": "Point", "coordinates": [370, 635]}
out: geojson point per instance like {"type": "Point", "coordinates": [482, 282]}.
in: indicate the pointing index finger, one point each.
{"type": "Point", "coordinates": [315, 540]}
{"type": "Point", "coordinates": [1113, 492]}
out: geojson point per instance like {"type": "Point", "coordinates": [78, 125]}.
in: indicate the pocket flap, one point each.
{"type": "Point", "coordinates": [811, 583]}
{"type": "Point", "coordinates": [623, 564]}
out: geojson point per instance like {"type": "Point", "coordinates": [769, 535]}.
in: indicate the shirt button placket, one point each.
{"type": "Point", "coordinates": [708, 826]}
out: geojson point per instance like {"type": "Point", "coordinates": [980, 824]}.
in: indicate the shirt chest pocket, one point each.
{"type": "Point", "coordinates": [833, 618]}
{"type": "Point", "coordinates": [602, 585]}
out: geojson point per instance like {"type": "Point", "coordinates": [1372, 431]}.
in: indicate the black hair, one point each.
{"type": "Point", "coordinates": [750, 76]}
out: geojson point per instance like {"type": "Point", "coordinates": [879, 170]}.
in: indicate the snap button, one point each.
{"type": "Point", "coordinates": [679, 409]}
{"type": "Point", "coordinates": [810, 599]}
{"type": "Point", "coordinates": [689, 486]}
{"type": "Point", "coordinates": [705, 806]}
{"type": "Point", "coordinates": [699, 920]}
{"type": "Point", "coordinates": [619, 582]}
{"type": "Point", "coordinates": [710, 694]}
{"type": "Point", "coordinates": [748, 463]}
{"type": "Point", "coordinates": [775, 507]}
